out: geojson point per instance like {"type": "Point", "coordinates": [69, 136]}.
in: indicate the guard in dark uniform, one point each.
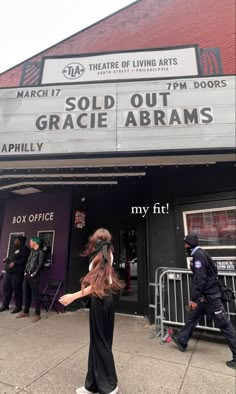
{"type": "Point", "coordinates": [205, 298]}
{"type": "Point", "coordinates": [13, 282]}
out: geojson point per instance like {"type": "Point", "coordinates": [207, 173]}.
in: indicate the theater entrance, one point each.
{"type": "Point", "coordinates": [111, 208]}
{"type": "Point", "coordinates": [129, 263]}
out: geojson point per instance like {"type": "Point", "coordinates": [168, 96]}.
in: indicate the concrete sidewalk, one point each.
{"type": "Point", "coordinates": [50, 357]}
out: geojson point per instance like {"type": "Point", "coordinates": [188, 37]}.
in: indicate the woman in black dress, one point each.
{"type": "Point", "coordinates": [100, 283]}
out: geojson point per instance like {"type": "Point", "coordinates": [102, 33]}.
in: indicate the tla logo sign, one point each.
{"type": "Point", "coordinates": [73, 71]}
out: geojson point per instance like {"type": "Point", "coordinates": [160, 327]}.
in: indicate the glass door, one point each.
{"type": "Point", "coordinates": [128, 262]}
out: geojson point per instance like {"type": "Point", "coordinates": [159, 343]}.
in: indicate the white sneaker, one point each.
{"type": "Point", "coordinates": [115, 391]}
{"type": "Point", "coordinates": [83, 390]}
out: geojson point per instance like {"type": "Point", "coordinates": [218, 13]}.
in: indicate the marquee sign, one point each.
{"type": "Point", "coordinates": [182, 114]}
{"type": "Point", "coordinates": [132, 65]}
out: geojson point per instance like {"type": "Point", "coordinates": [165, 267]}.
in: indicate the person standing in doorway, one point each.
{"type": "Point", "coordinates": [100, 283]}
{"type": "Point", "coordinates": [32, 278]}
{"type": "Point", "coordinates": [205, 299]}
{"type": "Point", "coordinates": [14, 267]}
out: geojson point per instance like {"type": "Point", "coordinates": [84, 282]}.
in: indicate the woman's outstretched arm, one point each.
{"type": "Point", "coordinates": [69, 298]}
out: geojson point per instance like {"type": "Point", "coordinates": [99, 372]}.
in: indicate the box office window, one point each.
{"type": "Point", "coordinates": [216, 227]}
{"type": "Point", "coordinates": [11, 240]}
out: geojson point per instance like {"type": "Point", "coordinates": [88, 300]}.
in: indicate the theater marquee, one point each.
{"type": "Point", "coordinates": [129, 65]}
{"type": "Point", "coordinates": [196, 113]}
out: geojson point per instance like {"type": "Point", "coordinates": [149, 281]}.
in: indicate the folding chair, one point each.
{"type": "Point", "coordinates": [49, 295]}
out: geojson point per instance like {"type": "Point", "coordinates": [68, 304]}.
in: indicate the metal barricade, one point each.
{"type": "Point", "coordinates": [156, 305]}
{"type": "Point", "coordinates": [172, 296]}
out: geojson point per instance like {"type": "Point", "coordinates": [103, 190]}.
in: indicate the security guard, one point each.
{"type": "Point", "coordinates": [14, 266]}
{"type": "Point", "coordinates": [205, 298]}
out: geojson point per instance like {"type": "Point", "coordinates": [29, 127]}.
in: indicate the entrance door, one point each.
{"type": "Point", "coordinates": [129, 262]}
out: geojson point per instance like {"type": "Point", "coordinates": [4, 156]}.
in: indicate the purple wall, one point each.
{"type": "Point", "coordinates": [57, 202]}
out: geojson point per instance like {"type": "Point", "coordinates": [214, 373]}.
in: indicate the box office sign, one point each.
{"type": "Point", "coordinates": [133, 116]}
{"type": "Point", "coordinates": [143, 64]}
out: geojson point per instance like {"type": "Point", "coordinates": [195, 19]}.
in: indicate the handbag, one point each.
{"type": "Point", "coordinates": [227, 294]}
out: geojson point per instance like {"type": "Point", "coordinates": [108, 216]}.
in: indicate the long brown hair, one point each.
{"type": "Point", "coordinates": [102, 276]}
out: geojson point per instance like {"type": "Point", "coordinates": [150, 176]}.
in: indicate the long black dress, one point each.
{"type": "Point", "coordinates": [101, 376]}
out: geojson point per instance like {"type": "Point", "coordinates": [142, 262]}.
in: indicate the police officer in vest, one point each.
{"type": "Point", "coordinates": [205, 298]}
{"type": "Point", "coordinates": [14, 266]}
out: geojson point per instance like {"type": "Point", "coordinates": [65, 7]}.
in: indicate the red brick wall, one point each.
{"type": "Point", "coordinates": [150, 24]}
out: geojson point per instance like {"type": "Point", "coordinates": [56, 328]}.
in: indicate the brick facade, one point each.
{"type": "Point", "coordinates": [152, 24]}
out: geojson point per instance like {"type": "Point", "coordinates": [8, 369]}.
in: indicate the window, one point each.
{"type": "Point", "coordinates": [216, 228]}
{"type": "Point", "coordinates": [12, 237]}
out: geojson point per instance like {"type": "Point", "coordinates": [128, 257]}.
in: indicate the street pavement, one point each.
{"type": "Point", "coordinates": [50, 357]}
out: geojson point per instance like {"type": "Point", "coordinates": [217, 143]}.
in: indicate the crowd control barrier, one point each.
{"type": "Point", "coordinates": [171, 299]}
